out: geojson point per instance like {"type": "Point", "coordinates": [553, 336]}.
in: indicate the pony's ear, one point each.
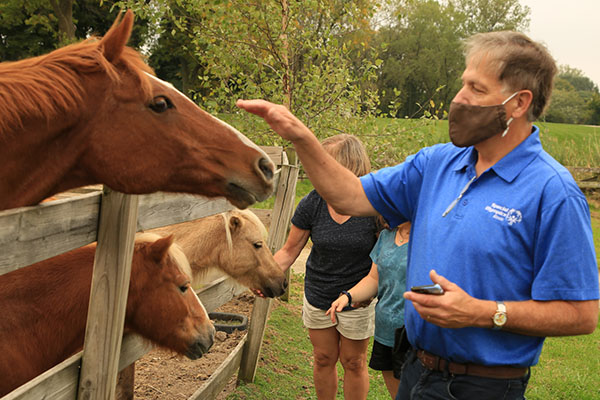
{"type": "Point", "coordinates": [116, 38]}
{"type": "Point", "coordinates": [234, 223]}
{"type": "Point", "coordinates": [159, 249]}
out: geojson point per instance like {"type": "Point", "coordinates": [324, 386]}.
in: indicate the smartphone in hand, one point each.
{"type": "Point", "coordinates": [428, 289]}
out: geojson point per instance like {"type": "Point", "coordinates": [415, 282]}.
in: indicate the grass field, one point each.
{"type": "Point", "coordinates": [569, 367]}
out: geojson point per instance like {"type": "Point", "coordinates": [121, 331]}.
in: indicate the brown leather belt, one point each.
{"type": "Point", "coordinates": [436, 363]}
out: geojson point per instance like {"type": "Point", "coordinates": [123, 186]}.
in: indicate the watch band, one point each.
{"type": "Point", "coordinates": [499, 317]}
{"type": "Point", "coordinates": [347, 293]}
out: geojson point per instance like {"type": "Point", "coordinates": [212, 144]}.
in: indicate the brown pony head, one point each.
{"type": "Point", "coordinates": [93, 112]}
{"type": "Point", "coordinates": [162, 306]}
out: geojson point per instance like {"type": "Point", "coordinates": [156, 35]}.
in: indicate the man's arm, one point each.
{"type": "Point", "coordinates": [457, 309]}
{"type": "Point", "coordinates": [337, 185]}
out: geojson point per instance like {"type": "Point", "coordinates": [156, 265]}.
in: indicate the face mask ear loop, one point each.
{"type": "Point", "coordinates": [511, 118]}
{"type": "Point", "coordinates": [509, 98]}
{"type": "Point", "coordinates": [507, 126]}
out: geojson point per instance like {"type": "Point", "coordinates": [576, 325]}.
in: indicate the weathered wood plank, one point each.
{"type": "Point", "coordinates": [218, 380]}
{"type": "Point", "coordinates": [588, 185]}
{"type": "Point", "coordinates": [160, 209]}
{"type": "Point", "coordinates": [219, 292]}
{"type": "Point", "coordinates": [32, 234]}
{"type": "Point", "coordinates": [593, 170]}
{"type": "Point", "coordinates": [108, 296]}
{"type": "Point", "coordinates": [275, 153]}
{"type": "Point", "coordinates": [62, 225]}
{"type": "Point", "coordinates": [263, 214]}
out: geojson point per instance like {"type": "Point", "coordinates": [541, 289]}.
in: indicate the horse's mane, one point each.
{"type": "Point", "coordinates": [175, 251]}
{"type": "Point", "coordinates": [46, 85]}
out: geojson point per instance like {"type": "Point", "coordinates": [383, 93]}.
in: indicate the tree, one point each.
{"type": "Point", "coordinates": [424, 58]}
{"type": "Point", "coordinates": [575, 98]}
{"type": "Point", "coordinates": [295, 53]}
{"type": "Point", "coordinates": [421, 62]}
{"type": "Point", "coordinates": [31, 28]}
{"type": "Point", "coordinates": [26, 29]}
{"type": "Point", "coordinates": [491, 15]}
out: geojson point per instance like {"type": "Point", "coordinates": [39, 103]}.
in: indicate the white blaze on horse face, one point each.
{"type": "Point", "coordinates": [199, 302]}
{"type": "Point", "coordinates": [242, 137]}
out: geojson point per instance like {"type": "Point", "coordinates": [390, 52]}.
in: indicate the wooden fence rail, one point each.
{"type": "Point", "coordinates": [32, 234]}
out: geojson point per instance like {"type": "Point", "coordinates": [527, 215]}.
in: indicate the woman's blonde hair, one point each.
{"type": "Point", "coordinates": [349, 151]}
{"type": "Point", "coordinates": [518, 62]}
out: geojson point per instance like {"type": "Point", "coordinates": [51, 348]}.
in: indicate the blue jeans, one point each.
{"type": "Point", "coordinates": [418, 382]}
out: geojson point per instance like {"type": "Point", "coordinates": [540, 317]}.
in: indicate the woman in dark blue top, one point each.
{"type": "Point", "coordinates": [338, 260]}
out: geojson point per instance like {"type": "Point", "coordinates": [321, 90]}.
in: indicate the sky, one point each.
{"type": "Point", "coordinates": [570, 29]}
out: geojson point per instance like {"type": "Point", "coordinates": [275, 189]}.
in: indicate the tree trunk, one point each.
{"type": "Point", "coordinates": [63, 9]}
{"type": "Point", "coordinates": [287, 88]}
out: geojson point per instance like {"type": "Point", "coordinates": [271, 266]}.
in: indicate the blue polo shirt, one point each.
{"type": "Point", "coordinates": [520, 231]}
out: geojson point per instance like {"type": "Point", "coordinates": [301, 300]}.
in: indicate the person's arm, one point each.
{"type": "Point", "coordinates": [364, 290]}
{"type": "Point", "coordinates": [456, 309]}
{"type": "Point", "coordinates": [294, 244]}
{"type": "Point", "coordinates": [337, 185]}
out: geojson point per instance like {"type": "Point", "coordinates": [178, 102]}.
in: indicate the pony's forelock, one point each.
{"type": "Point", "coordinates": [225, 217]}
{"type": "Point", "coordinates": [175, 251]}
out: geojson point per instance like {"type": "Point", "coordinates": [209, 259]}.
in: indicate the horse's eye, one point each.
{"type": "Point", "coordinates": [160, 104]}
{"type": "Point", "coordinates": [184, 288]}
{"type": "Point", "coordinates": [257, 245]}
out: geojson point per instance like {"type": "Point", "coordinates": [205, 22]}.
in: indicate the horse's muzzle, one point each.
{"type": "Point", "coordinates": [201, 345]}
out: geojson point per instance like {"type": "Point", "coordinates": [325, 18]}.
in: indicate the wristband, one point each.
{"type": "Point", "coordinates": [347, 293]}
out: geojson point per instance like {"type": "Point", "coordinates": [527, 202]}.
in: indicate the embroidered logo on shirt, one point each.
{"type": "Point", "coordinates": [501, 213]}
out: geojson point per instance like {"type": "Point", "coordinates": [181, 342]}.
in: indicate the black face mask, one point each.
{"type": "Point", "coordinates": [469, 124]}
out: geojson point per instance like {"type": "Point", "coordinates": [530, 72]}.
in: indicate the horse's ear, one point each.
{"type": "Point", "coordinates": [235, 223]}
{"type": "Point", "coordinates": [159, 249]}
{"type": "Point", "coordinates": [116, 38]}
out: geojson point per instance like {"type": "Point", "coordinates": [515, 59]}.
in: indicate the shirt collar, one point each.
{"type": "Point", "coordinates": [509, 167]}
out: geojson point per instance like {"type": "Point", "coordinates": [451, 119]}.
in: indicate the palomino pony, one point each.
{"type": "Point", "coordinates": [233, 242]}
{"type": "Point", "coordinates": [44, 308]}
{"type": "Point", "coordinates": [93, 112]}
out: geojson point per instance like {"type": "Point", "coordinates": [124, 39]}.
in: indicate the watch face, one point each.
{"type": "Point", "coordinates": [499, 319]}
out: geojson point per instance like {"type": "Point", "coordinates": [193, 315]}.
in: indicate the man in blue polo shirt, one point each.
{"type": "Point", "coordinates": [496, 222]}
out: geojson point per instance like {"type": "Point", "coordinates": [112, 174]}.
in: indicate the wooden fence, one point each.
{"type": "Point", "coordinates": [32, 234]}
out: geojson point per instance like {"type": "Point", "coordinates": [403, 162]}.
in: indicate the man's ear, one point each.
{"type": "Point", "coordinates": [523, 100]}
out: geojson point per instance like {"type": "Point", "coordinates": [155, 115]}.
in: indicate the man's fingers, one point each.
{"type": "Point", "coordinates": [439, 279]}
{"type": "Point", "coordinates": [257, 106]}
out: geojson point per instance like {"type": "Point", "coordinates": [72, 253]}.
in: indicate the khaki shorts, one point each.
{"type": "Point", "coordinates": [355, 324]}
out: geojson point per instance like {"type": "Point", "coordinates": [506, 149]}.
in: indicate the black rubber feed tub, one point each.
{"type": "Point", "coordinates": [228, 322]}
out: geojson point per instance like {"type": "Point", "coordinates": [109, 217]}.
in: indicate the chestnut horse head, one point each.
{"type": "Point", "coordinates": [93, 112]}
{"type": "Point", "coordinates": [161, 305]}
{"type": "Point", "coordinates": [234, 242]}
{"type": "Point", "coordinates": [46, 325]}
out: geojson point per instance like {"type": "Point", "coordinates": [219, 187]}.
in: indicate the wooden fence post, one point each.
{"type": "Point", "coordinates": [282, 213]}
{"type": "Point", "coordinates": [108, 297]}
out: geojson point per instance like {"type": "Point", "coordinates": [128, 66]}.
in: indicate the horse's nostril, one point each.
{"type": "Point", "coordinates": [266, 167]}
{"type": "Point", "coordinates": [285, 284]}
